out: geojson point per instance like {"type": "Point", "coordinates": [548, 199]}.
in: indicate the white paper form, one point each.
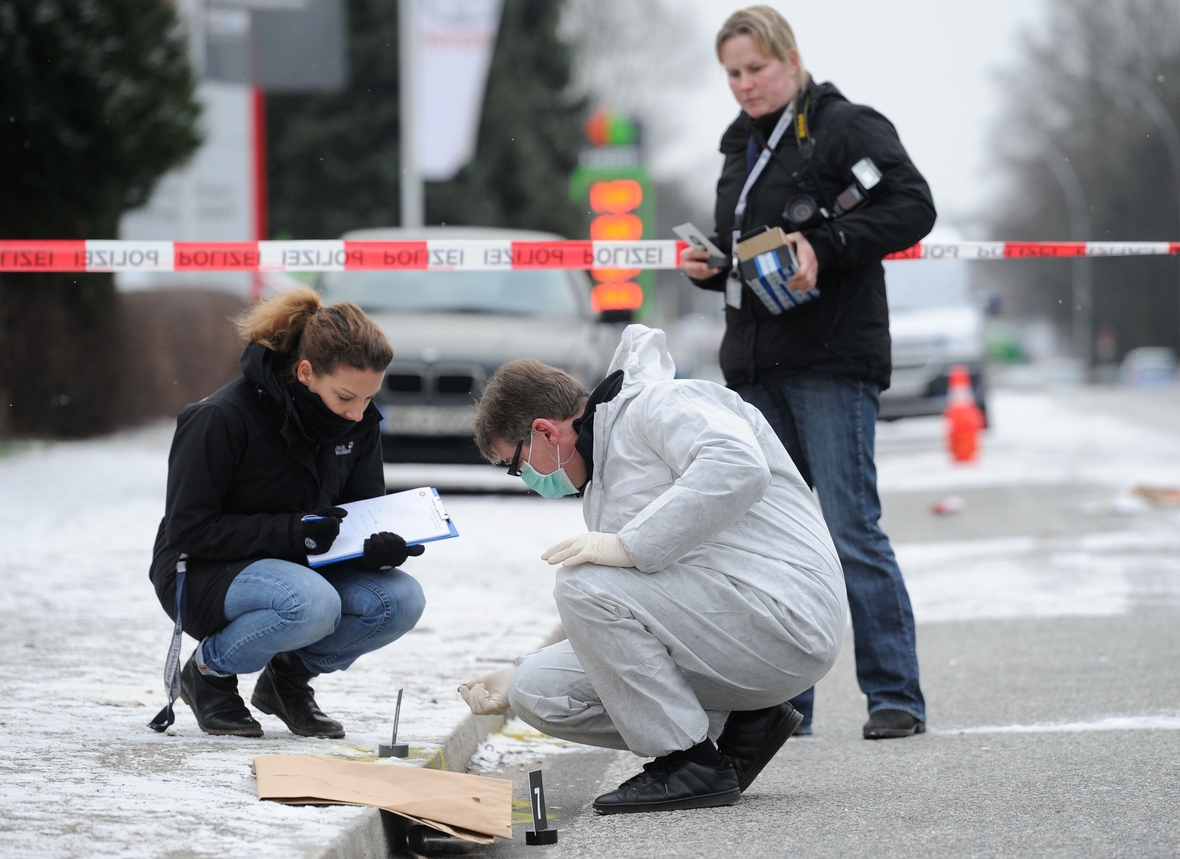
{"type": "Point", "coordinates": [417, 515]}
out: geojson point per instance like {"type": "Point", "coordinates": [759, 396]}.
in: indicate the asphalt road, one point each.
{"type": "Point", "coordinates": [1096, 793]}
{"type": "Point", "coordinates": [1026, 754]}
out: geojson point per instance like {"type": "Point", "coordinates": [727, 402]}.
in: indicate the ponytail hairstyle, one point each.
{"type": "Point", "coordinates": [770, 32]}
{"type": "Point", "coordinates": [297, 322]}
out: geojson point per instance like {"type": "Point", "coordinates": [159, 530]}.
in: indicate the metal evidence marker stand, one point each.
{"type": "Point", "coordinates": [394, 749]}
{"type": "Point", "coordinates": [541, 833]}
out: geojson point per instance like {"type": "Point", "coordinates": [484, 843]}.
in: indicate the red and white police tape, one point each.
{"type": "Point", "coordinates": [460, 254]}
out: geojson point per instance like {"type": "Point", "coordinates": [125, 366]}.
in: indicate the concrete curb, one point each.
{"type": "Point", "coordinates": [373, 834]}
{"type": "Point", "coordinates": [369, 836]}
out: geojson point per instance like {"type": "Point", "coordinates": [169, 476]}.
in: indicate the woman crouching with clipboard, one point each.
{"type": "Point", "coordinates": [254, 476]}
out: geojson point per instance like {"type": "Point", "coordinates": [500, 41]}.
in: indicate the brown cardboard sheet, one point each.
{"type": "Point", "coordinates": [468, 806]}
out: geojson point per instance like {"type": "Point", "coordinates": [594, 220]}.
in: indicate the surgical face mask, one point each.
{"type": "Point", "coordinates": [555, 485]}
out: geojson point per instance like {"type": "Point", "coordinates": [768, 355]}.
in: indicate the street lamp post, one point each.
{"type": "Point", "coordinates": [412, 204]}
{"type": "Point", "coordinates": [1078, 212]}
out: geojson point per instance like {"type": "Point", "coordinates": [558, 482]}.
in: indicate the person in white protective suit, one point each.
{"type": "Point", "coordinates": [706, 594]}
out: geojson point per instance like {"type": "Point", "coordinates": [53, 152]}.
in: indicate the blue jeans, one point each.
{"type": "Point", "coordinates": [327, 617]}
{"type": "Point", "coordinates": [828, 424]}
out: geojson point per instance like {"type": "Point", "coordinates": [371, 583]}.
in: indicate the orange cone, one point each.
{"type": "Point", "coordinates": [964, 420]}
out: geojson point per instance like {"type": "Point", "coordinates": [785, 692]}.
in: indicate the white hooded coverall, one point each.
{"type": "Point", "coordinates": [736, 600]}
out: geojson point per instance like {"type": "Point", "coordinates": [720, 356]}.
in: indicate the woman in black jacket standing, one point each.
{"type": "Point", "coordinates": [254, 475]}
{"type": "Point", "coordinates": [816, 369]}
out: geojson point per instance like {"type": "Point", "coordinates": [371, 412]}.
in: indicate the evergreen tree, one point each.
{"type": "Point", "coordinates": [96, 103]}
{"type": "Point", "coordinates": [334, 159]}
{"type": "Point", "coordinates": [529, 134]}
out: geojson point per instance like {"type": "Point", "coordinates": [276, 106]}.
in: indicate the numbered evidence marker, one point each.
{"type": "Point", "coordinates": [394, 749]}
{"type": "Point", "coordinates": [541, 833]}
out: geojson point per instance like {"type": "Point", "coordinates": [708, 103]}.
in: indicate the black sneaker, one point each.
{"type": "Point", "coordinates": [891, 724]}
{"type": "Point", "coordinates": [671, 782]}
{"type": "Point", "coordinates": [284, 690]}
{"type": "Point", "coordinates": [215, 703]}
{"type": "Point", "coordinates": [752, 737]}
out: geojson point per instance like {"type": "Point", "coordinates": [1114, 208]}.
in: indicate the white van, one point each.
{"type": "Point", "coordinates": [934, 324]}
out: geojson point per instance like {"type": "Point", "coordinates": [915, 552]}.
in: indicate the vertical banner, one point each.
{"type": "Point", "coordinates": [456, 39]}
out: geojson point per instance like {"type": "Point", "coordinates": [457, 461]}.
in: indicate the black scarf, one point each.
{"type": "Point", "coordinates": [606, 391]}
{"type": "Point", "coordinates": [767, 122]}
{"type": "Point", "coordinates": [319, 423]}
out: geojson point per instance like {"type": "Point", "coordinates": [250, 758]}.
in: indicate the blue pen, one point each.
{"type": "Point", "coordinates": [310, 518]}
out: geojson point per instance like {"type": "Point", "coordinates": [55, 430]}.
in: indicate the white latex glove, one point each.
{"type": "Point", "coordinates": [488, 695]}
{"type": "Point", "coordinates": [594, 547]}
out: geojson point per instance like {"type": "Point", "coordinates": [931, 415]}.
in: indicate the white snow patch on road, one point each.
{"type": "Point", "coordinates": [517, 744]}
{"type": "Point", "coordinates": [1095, 575]}
{"type": "Point", "coordinates": [1033, 439]}
{"type": "Point", "coordinates": [1039, 439]}
{"type": "Point", "coordinates": [1111, 723]}
{"type": "Point", "coordinates": [83, 640]}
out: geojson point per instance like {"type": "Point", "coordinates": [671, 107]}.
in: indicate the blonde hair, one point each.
{"type": "Point", "coordinates": [770, 32]}
{"type": "Point", "coordinates": [327, 336]}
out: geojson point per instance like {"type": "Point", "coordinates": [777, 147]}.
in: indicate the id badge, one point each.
{"type": "Point", "coordinates": [733, 292]}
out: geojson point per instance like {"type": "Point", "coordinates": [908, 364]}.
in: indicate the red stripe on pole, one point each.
{"type": "Point", "coordinates": [1024, 250]}
{"type": "Point", "coordinates": [215, 256]}
{"type": "Point", "coordinates": [909, 253]}
{"type": "Point", "coordinates": [51, 255]}
{"type": "Point", "coordinates": [1174, 247]}
{"type": "Point", "coordinates": [384, 256]}
{"type": "Point", "coordinates": [558, 254]}
{"type": "Point", "coordinates": [258, 103]}
{"type": "Point", "coordinates": [260, 189]}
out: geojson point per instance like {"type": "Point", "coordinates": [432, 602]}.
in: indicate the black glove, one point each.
{"type": "Point", "coordinates": [385, 551]}
{"type": "Point", "coordinates": [316, 537]}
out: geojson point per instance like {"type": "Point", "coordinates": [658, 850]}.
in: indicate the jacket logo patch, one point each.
{"type": "Point", "coordinates": [342, 449]}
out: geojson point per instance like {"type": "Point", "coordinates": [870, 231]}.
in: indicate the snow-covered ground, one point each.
{"type": "Point", "coordinates": [1064, 440]}
{"type": "Point", "coordinates": [1039, 438]}
{"type": "Point", "coordinates": [82, 638]}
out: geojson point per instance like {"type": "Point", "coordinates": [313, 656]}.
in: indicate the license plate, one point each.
{"type": "Point", "coordinates": [429, 420]}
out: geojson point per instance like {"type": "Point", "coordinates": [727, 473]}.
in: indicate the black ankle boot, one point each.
{"type": "Point", "coordinates": [215, 703]}
{"type": "Point", "coordinates": [283, 690]}
{"type": "Point", "coordinates": [695, 778]}
{"type": "Point", "coordinates": [752, 737]}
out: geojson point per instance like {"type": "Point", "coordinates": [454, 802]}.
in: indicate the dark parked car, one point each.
{"type": "Point", "coordinates": [450, 330]}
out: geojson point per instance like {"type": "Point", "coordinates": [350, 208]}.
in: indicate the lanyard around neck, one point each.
{"type": "Point", "coordinates": [780, 128]}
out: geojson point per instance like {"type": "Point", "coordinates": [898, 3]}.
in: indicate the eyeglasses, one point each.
{"type": "Point", "coordinates": [514, 465]}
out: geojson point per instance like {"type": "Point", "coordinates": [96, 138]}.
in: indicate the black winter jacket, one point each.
{"type": "Point", "coordinates": [240, 474]}
{"type": "Point", "coordinates": [846, 330]}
